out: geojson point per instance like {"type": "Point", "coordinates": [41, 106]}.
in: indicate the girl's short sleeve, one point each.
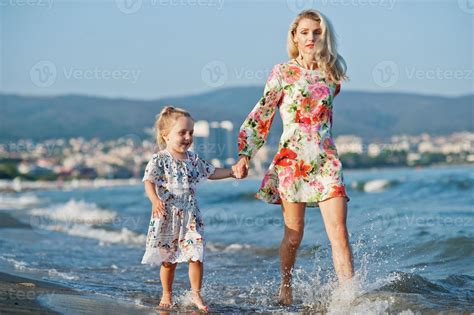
{"type": "Point", "coordinates": [154, 171]}
{"type": "Point", "coordinates": [204, 169]}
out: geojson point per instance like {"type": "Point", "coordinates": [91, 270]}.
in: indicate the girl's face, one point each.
{"type": "Point", "coordinates": [180, 136]}
{"type": "Point", "coordinates": [307, 34]}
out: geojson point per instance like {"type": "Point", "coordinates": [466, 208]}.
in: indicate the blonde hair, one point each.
{"type": "Point", "coordinates": [164, 122]}
{"type": "Point", "coordinates": [326, 56]}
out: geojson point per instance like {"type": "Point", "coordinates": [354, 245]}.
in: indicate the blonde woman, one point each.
{"type": "Point", "coordinates": [306, 171]}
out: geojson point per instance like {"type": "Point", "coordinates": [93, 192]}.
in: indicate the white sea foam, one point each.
{"type": "Point", "coordinates": [18, 202]}
{"type": "Point", "coordinates": [123, 236]}
{"type": "Point", "coordinates": [76, 212]}
{"type": "Point", "coordinates": [24, 267]}
{"type": "Point", "coordinates": [376, 185]}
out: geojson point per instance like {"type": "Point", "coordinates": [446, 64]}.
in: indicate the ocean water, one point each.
{"type": "Point", "coordinates": [411, 231]}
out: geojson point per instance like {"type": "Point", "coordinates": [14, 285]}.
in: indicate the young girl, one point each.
{"type": "Point", "coordinates": [175, 233]}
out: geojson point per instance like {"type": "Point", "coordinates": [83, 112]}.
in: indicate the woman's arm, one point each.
{"type": "Point", "coordinates": [254, 130]}
{"type": "Point", "coordinates": [221, 173]}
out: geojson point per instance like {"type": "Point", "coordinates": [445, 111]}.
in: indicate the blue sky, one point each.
{"type": "Point", "coordinates": [147, 49]}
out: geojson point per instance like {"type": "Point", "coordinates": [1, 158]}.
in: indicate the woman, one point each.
{"type": "Point", "coordinates": [306, 172]}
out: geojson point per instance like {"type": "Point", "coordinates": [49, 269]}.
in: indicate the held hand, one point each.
{"type": "Point", "coordinates": [158, 209]}
{"type": "Point", "coordinates": [241, 168]}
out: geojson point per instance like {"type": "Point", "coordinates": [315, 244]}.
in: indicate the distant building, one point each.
{"type": "Point", "coordinates": [215, 141]}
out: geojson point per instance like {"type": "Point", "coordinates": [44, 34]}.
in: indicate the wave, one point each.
{"type": "Point", "coordinates": [83, 219]}
{"type": "Point", "coordinates": [104, 236]}
{"type": "Point", "coordinates": [14, 202]}
{"type": "Point", "coordinates": [52, 272]}
{"type": "Point", "coordinates": [76, 212]}
{"type": "Point", "coordinates": [455, 248]}
{"type": "Point", "coordinates": [374, 185]}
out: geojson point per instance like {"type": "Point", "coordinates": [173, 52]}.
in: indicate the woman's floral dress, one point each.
{"type": "Point", "coordinates": [178, 237]}
{"type": "Point", "coordinates": [307, 167]}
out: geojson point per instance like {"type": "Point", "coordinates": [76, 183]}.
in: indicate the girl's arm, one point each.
{"type": "Point", "coordinates": [157, 205]}
{"type": "Point", "coordinates": [221, 173]}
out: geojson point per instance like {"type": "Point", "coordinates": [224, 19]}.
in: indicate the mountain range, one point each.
{"type": "Point", "coordinates": [370, 115]}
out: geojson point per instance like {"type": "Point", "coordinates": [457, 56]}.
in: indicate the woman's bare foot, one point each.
{"type": "Point", "coordinates": [166, 300]}
{"type": "Point", "coordinates": [285, 294]}
{"type": "Point", "coordinates": [198, 301]}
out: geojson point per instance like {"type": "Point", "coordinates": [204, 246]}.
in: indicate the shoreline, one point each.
{"type": "Point", "coordinates": [22, 293]}
{"type": "Point", "coordinates": [19, 295]}
{"type": "Point", "coordinates": [17, 185]}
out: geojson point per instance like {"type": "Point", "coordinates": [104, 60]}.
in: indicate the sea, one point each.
{"type": "Point", "coordinates": [411, 233]}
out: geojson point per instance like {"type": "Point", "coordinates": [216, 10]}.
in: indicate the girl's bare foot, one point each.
{"type": "Point", "coordinates": [198, 301]}
{"type": "Point", "coordinates": [166, 300]}
{"type": "Point", "coordinates": [285, 295]}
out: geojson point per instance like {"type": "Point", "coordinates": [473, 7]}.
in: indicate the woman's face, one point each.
{"type": "Point", "coordinates": [307, 34]}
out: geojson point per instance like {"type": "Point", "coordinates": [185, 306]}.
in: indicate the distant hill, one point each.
{"type": "Point", "coordinates": [366, 114]}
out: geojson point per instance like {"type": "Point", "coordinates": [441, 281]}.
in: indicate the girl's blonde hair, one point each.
{"type": "Point", "coordinates": [164, 122]}
{"type": "Point", "coordinates": [326, 56]}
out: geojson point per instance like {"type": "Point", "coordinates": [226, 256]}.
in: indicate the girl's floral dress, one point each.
{"type": "Point", "coordinates": [306, 167]}
{"type": "Point", "coordinates": [178, 237]}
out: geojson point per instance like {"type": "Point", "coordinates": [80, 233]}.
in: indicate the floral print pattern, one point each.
{"type": "Point", "coordinates": [177, 237]}
{"type": "Point", "coordinates": [306, 167]}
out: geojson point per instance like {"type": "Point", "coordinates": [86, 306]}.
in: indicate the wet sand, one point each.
{"type": "Point", "coordinates": [19, 295]}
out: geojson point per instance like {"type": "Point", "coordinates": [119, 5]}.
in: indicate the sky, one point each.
{"type": "Point", "coordinates": [149, 49]}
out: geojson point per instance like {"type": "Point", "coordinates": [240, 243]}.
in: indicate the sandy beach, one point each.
{"type": "Point", "coordinates": [22, 295]}
{"type": "Point", "coordinates": [19, 295]}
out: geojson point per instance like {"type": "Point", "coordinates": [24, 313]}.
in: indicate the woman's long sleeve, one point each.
{"type": "Point", "coordinates": [254, 130]}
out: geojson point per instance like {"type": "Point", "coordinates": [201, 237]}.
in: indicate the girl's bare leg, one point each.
{"type": "Point", "coordinates": [334, 213]}
{"type": "Point", "coordinates": [167, 277]}
{"type": "Point", "coordinates": [196, 271]}
{"type": "Point", "coordinates": [293, 216]}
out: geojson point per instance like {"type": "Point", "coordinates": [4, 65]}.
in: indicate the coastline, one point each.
{"type": "Point", "coordinates": [25, 294]}
{"type": "Point", "coordinates": [16, 185]}
{"type": "Point", "coordinates": [19, 295]}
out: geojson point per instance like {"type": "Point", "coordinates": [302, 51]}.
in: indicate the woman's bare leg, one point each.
{"type": "Point", "coordinates": [293, 216]}
{"type": "Point", "coordinates": [334, 213]}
